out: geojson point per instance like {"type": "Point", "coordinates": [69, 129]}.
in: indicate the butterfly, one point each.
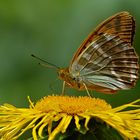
{"type": "Point", "coordinates": [106, 60]}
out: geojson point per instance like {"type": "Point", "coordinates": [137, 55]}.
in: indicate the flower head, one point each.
{"type": "Point", "coordinates": [54, 115]}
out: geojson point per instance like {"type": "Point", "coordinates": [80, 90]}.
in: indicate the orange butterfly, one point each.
{"type": "Point", "coordinates": [106, 61]}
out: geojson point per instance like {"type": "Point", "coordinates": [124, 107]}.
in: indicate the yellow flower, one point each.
{"type": "Point", "coordinates": [54, 115]}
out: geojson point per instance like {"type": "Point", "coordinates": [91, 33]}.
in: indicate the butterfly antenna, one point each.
{"type": "Point", "coordinates": [45, 63]}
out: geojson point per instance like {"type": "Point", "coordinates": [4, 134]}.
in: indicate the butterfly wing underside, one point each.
{"type": "Point", "coordinates": [106, 60]}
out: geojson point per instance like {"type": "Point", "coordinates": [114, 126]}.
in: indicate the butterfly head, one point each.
{"type": "Point", "coordinates": [71, 81]}
{"type": "Point", "coordinates": [65, 75]}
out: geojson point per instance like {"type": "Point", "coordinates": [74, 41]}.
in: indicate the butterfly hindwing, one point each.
{"type": "Point", "coordinates": [99, 64]}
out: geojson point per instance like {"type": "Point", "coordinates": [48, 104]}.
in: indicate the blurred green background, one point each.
{"type": "Point", "coordinates": [52, 30]}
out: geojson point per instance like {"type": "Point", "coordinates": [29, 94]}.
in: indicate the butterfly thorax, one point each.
{"type": "Point", "coordinates": [73, 81]}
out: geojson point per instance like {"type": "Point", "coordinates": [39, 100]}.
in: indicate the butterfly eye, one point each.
{"type": "Point", "coordinates": [74, 78]}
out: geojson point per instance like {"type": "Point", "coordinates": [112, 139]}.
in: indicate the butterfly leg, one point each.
{"type": "Point", "coordinates": [63, 88]}
{"type": "Point", "coordinates": [87, 89]}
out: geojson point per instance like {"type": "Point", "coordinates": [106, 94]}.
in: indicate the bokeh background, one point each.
{"type": "Point", "coordinates": [52, 30]}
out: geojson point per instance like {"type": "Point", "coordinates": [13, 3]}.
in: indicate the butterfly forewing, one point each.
{"type": "Point", "coordinates": [121, 24]}
{"type": "Point", "coordinates": [106, 58]}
